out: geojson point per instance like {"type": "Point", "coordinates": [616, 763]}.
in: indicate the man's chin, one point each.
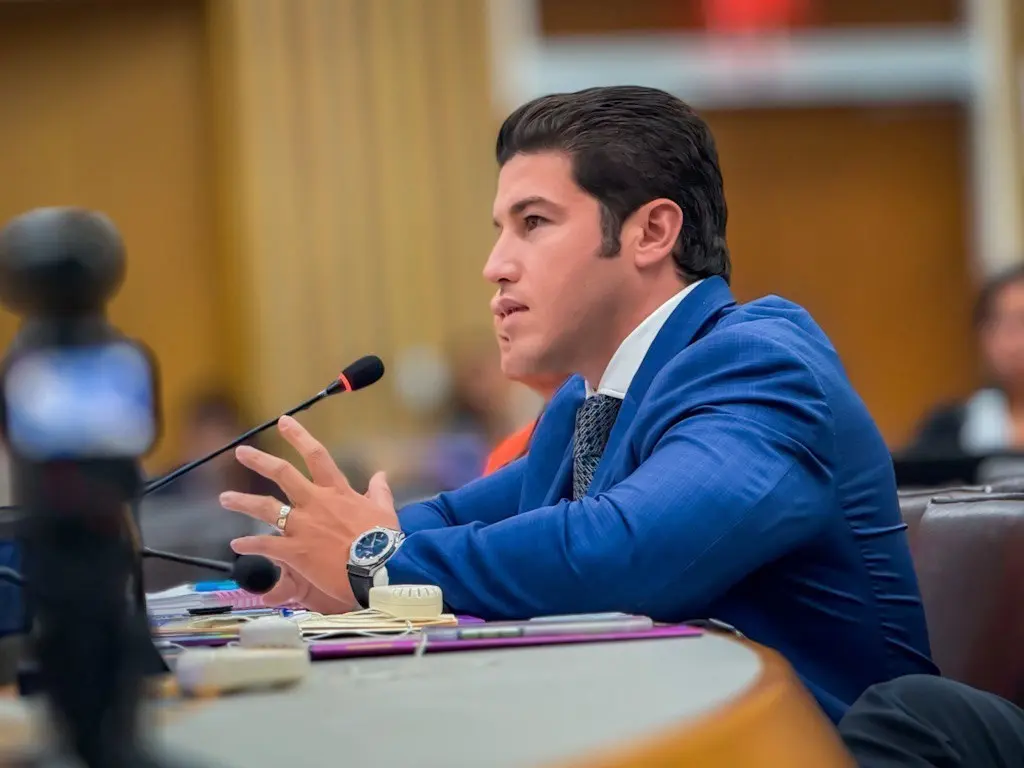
{"type": "Point", "coordinates": [516, 365]}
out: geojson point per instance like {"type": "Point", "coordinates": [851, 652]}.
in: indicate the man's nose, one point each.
{"type": "Point", "coordinates": [501, 266]}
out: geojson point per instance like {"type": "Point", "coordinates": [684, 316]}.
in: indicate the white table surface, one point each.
{"type": "Point", "coordinates": [513, 707]}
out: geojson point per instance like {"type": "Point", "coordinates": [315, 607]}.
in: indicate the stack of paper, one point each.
{"type": "Point", "coordinates": [313, 625]}
{"type": "Point", "coordinates": [179, 600]}
{"type": "Point", "coordinates": [358, 622]}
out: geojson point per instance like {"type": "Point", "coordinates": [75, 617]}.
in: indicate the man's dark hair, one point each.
{"type": "Point", "coordinates": [990, 291]}
{"type": "Point", "coordinates": [630, 145]}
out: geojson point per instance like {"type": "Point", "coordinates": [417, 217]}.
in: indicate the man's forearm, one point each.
{"type": "Point", "coordinates": [488, 500]}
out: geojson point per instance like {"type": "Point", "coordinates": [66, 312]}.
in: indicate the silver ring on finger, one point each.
{"type": "Point", "coordinates": [282, 517]}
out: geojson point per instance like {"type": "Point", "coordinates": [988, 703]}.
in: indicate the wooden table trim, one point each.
{"type": "Point", "coordinates": [774, 724]}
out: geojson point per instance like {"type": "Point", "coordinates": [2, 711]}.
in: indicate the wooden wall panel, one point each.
{"type": "Point", "coordinates": [354, 171]}
{"type": "Point", "coordinates": [861, 216]}
{"type": "Point", "coordinates": [357, 174]}
{"type": "Point", "coordinates": [104, 106]}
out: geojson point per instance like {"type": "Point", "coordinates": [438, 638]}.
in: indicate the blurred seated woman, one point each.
{"type": "Point", "coordinates": [214, 418]}
{"type": "Point", "coordinates": [516, 445]}
{"type": "Point", "coordinates": [992, 419]}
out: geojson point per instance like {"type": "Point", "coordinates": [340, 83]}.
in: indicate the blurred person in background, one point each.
{"type": "Point", "coordinates": [471, 406]}
{"type": "Point", "coordinates": [185, 516]}
{"type": "Point", "coordinates": [475, 418]}
{"type": "Point", "coordinates": [516, 445]}
{"type": "Point", "coordinates": [992, 419]}
{"type": "Point", "coordinates": [214, 418]}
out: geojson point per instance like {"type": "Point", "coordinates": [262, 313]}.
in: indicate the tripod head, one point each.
{"type": "Point", "coordinates": [60, 262]}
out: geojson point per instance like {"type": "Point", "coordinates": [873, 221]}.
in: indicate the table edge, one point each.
{"type": "Point", "coordinates": [711, 732]}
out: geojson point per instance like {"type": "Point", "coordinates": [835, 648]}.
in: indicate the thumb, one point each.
{"type": "Point", "coordinates": [285, 591]}
{"type": "Point", "coordinates": [379, 492]}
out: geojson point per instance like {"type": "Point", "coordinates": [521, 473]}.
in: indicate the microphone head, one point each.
{"type": "Point", "coordinates": [255, 573]}
{"type": "Point", "coordinates": [362, 373]}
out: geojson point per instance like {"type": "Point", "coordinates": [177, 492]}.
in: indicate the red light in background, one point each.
{"type": "Point", "coordinates": [754, 16]}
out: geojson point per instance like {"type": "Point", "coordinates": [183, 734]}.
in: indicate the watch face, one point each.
{"type": "Point", "coordinates": [371, 546]}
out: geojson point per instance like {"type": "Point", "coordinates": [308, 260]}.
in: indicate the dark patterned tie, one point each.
{"type": "Point", "coordinates": [594, 422]}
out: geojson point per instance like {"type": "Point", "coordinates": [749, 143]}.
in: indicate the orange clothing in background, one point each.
{"type": "Point", "coordinates": [511, 448]}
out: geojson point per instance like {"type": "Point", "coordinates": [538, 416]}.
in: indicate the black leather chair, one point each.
{"type": "Point", "coordinates": [913, 504]}
{"type": "Point", "coordinates": [968, 549]}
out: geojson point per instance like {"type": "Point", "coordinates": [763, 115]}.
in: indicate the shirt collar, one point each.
{"type": "Point", "coordinates": [632, 351]}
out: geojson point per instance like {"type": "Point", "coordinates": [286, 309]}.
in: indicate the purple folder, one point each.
{"type": "Point", "coordinates": [356, 647]}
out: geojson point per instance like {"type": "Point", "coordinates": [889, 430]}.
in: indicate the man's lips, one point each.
{"type": "Point", "coordinates": [505, 307]}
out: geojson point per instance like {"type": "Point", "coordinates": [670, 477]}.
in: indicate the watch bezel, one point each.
{"type": "Point", "coordinates": [368, 562]}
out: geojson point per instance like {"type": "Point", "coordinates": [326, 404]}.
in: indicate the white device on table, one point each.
{"type": "Point", "coordinates": [270, 632]}
{"type": "Point", "coordinates": [213, 671]}
{"type": "Point", "coordinates": [408, 601]}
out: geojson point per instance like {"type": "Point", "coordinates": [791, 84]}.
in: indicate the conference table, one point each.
{"type": "Point", "coordinates": [707, 700]}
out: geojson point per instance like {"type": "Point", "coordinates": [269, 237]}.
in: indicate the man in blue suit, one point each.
{"type": "Point", "coordinates": [708, 460]}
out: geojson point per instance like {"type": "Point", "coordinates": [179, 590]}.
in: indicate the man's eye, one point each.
{"type": "Point", "coordinates": [532, 222]}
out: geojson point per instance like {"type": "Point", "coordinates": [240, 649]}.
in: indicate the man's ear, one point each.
{"type": "Point", "coordinates": [652, 231]}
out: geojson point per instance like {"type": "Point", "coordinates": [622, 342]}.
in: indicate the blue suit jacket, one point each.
{"type": "Point", "coordinates": [744, 480]}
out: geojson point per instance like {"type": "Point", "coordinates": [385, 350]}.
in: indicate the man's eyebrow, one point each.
{"type": "Point", "coordinates": [521, 205]}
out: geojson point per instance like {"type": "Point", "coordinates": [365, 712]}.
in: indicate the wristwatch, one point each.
{"type": "Point", "coordinates": [367, 558]}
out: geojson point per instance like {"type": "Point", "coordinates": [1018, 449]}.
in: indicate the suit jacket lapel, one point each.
{"type": "Point", "coordinates": [685, 324]}
{"type": "Point", "coordinates": [549, 475]}
{"type": "Point", "coordinates": [561, 487]}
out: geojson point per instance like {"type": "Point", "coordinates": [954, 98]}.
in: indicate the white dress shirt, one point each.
{"type": "Point", "coordinates": [633, 349]}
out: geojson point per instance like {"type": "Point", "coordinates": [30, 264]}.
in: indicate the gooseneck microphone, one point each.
{"type": "Point", "coordinates": [253, 573]}
{"type": "Point", "coordinates": [362, 373]}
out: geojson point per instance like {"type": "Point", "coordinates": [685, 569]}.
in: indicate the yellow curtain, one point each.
{"type": "Point", "coordinates": [354, 143]}
{"type": "Point", "coordinates": [998, 28]}
{"type": "Point", "coordinates": [1015, 78]}
{"type": "Point", "coordinates": [105, 106]}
